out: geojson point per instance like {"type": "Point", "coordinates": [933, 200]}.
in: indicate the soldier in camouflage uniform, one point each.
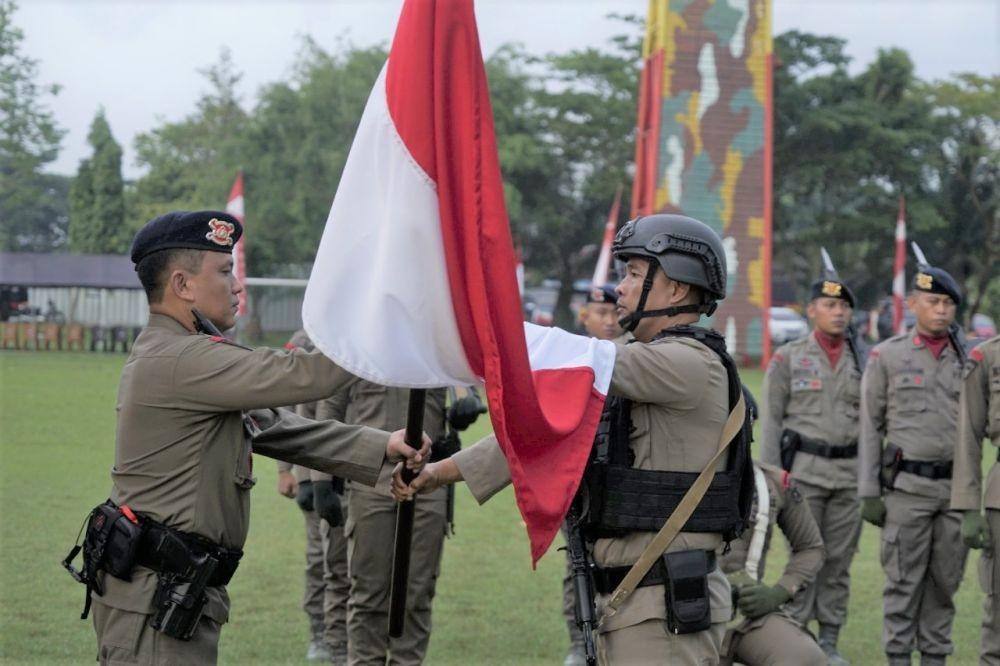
{"type": "Point", "coordinates": [978, 418]}
{"type": "Point", "coordinates": [810, 428]}
{"type": "Point", "coordinates": [909, 425]}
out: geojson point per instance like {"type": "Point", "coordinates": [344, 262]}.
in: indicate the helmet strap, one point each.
{"type": "Point", "coordinates": [631, 320]}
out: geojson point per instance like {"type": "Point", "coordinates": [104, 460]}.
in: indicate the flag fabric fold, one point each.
{"type": "Point", "coordinates": [414, 282]}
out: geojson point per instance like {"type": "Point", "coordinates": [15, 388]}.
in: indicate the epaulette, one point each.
{"type": "Point", "coordinates": [227, 341]}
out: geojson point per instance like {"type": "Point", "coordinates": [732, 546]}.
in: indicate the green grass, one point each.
{"type": "Point", "coordinates": [57, 424]}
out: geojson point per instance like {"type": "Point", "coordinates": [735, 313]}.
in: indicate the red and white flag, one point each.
{"type": "Point", "coordinates": [604, 258]}
{"type": "Point", "coordinates": [899, 271]}
{"type": "Point", "coordinates": [235, 208]}
{"type": "Point", "coordinates": [414, 281]}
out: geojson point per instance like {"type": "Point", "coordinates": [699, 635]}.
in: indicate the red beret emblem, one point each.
{"type": "Point", "coordinates": [221, 233]}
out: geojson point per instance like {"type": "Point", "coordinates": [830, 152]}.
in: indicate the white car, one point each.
{"type": "Point", "coordinates": [786, 325]}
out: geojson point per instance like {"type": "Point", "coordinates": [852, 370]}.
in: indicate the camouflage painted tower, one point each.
{"type": "Point", "coordinates": [704, 143]}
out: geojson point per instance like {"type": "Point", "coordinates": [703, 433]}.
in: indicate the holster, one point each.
{"type": "Point", "coordinates": [892, 460]}
{"type": "Point", "coordinates": [180, 599]}
{"type": "Point", "coordinates": [789, 447]}
{"type": "Point", "coordinates": [686, 591]}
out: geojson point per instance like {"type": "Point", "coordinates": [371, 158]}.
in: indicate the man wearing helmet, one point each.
{"type": "Point", "coordinates": [671, 392]}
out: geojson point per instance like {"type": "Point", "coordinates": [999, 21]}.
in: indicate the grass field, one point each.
{"type": "Point", "coordinates": [57, 420]}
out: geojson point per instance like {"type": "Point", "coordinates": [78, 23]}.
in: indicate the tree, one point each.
{"type": "Point", "coordinates": [97, 201]}
{"type": "Point", "coordinates": [32, 217]}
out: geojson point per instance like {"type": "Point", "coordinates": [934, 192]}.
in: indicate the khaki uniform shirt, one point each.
{"type": "Point", "coordinates": [978, 417]}
{"type": "Point", "coordinates": [910, 399]}
{"type": "Point", "coordinates": [680, 405]}
{"type": "Point", "coordinates": [786, 509]}
{"type": "Point", "coordinates": [803, 393]}
{"type": "Point", "coordinates": [183, 451]}
{"type": "Point", "coordinates": [360, 401]}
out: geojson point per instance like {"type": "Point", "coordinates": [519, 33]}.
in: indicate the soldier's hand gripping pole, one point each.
{"type": "Point", "coordinates": [404, 520]}
{"type": "Point", "coordinates": [583, 585]}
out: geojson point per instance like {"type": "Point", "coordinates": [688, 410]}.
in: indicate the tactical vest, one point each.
{"type": "Point", "coordinates": [618, 498]}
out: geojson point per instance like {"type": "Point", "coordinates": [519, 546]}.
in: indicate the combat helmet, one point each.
{"type": "Point", "coordinates": [685, 249]}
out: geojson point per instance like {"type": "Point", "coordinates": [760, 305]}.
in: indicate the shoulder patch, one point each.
{"type": "Point", "coordinates": [874, 353]}
{"type": "Point", "coordinates": [976, 354]}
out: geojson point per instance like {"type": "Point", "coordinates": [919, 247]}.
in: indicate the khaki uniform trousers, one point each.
{"type": "Point", "coordinates": [923, 559]}
{"type": "Point", "coordinates": [124, 637]}
{"type": "Point", "coordinates": [838, 515]}
{"type": "Point", "coordinates": [989, 579]}
{"type": "Point", "coordinates": [326, 583]}
{"type": "Point", "coordinates": [651, 642]}
{"type": "Point", "coordinates": [370, 530]}
{"type": "Point", "coordinates": [773, 640]}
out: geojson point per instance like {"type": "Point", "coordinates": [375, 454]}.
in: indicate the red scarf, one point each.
{"type": "Point", "coordinates": [935, 344]}
{"type": "Point", "coordinates": [831, 344]}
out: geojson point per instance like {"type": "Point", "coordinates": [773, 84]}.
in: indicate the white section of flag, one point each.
{"type": "Point", "coordinates": [556, 349]}
{"type": "Point", "coordinates": [378, 301]}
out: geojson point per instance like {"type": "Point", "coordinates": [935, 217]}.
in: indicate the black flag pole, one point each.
{"type": "Point", "coordinates": [404, 520]}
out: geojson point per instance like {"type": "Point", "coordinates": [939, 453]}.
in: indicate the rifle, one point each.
{"type": "Point", "coordinates": [954, 330]}
{"type": "Point", "coordinates": [851, 338]}
{"type": "Point", "coordinates": [583, 584]}
{"type": "Point", "coordinates": [203, 325]}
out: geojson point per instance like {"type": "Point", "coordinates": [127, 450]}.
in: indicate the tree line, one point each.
{"type": "Point", "coordinates": [846, 148]}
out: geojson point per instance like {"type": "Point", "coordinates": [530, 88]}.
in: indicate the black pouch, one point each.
{"type": "Point", "coordinates": [789, 446]}
{"type": "Point", "coordinates": [686, 590]}
{"type": "Point", "coordinates": [892, 458]}
{"type": "Point", "coordinates": [445, 446]}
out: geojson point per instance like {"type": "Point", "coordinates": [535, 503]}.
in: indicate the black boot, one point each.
{"type": "Point", "coordinates": [828, 634]}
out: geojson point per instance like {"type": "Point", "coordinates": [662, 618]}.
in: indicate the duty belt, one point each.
{"type": "Point", "coordinates": [824, 450]}
{"type": "Point", "coordinates": [153, 555]}
{"type": "Point", "coordinates": [926, 469]}
{"type": "Point", "coordinates": [607, 579]}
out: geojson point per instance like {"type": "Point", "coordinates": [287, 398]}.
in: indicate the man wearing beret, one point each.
{"type": "Point", "coordinates": [810, 429]}
{"type": "Point", "coordinates": [979, 418]}
{"type": "Point", "coordinates": [909, 424]}
{"type": "Point", "coordinates": [185, 442]}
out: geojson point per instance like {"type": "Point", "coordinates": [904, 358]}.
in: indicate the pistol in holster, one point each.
{"type": "Point", "coordinates": [180, 598]}
{"type": "Point", "coordinates": [789, 446]}
{"type": "Point", "coordinates": [892, 460]}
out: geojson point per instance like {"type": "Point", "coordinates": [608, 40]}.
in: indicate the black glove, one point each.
{"type": "Point", "coordinates": [304, 498]}
{"type": "Point", "coordinates": [326, 502]}
{"type": "Point", "coordinates": [464, 411]}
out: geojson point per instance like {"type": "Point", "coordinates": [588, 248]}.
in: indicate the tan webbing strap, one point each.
{"type": "Point", "coordinates": [679, 517]}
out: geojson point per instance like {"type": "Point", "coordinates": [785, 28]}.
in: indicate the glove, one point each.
{"type": "Point", "coordinates": [758, 600]}
{"type": "Point", "coordinates": [975, 530]}
{"type": "Point", "coordinates": [326, 502]}
{"type": "Point", "coordinates": [464, 412]}
{"type": "Point", "coordinates": [740, 579]}
{"type": "Point", "coordinates": [304, 498]}
{"type": "Point", "coordinates": [873, 511]}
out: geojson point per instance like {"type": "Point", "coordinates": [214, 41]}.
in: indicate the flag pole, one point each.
{"type": "Point", "coordinates": [404, 520]}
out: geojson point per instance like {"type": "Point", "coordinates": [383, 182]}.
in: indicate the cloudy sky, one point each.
{"type": "Point", "coordinates": [140, 60]}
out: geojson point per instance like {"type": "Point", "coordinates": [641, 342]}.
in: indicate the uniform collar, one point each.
{"type": "Point", "coordinates": [166, 321]}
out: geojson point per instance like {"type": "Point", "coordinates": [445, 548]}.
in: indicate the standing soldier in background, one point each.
{"type": "Point", "coordinates": [326, 582]}
{"type": "Point", "coordinates": [769, 635]}
{"type": "Point", "coordinates": [810, 429]}
{"type": "Point", "coordinates": [909, 402]}
{"type": "Point", "coordinates": [371, 524]}
{"type": "Point", "coordinates": [979, 417]}
{"type": "Point", "coordinates": [599, 319]}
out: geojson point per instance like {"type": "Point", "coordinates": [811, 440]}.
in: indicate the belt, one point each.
{"type": "Point", "coordinates": [160, 552]}
{"type": "Point", "coordinates": [819, 448]}
{"type": "Point", "coordinates": [926, 469]}
{"type": "Point", "coordinates": [607, 579]}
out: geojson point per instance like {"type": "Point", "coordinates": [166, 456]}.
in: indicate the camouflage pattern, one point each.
{"type": "Point", "coordinates": [702, 144]}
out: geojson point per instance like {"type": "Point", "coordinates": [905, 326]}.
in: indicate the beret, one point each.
{"type": "Point", "coordinates": [605, 294]}
{"type": "Point", "coordinates": [211, 230]}
{"type": "Point", "coordinates": [832, 289]}
{"type": "Point", "coordinates": [937, 281]}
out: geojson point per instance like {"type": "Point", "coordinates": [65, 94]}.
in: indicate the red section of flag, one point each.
{"type": "Point", "coordinates": [647, 150]}
{"type": "Point", "coordinates": [235, 207]}
{"type": "Point", "coordinates": [899, 271]}
{"type": "Point", "coordinates": [438, 100]}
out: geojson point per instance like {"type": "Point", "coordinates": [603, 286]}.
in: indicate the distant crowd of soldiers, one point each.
{"type": "Point", "coordinates": [892, 437]}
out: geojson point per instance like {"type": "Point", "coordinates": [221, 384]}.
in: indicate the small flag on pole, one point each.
{"type": "Point", "coordinates": [235, 208]}
{"type": "Point", "coordinates": [604, 258]}
{"type": "Point", "coordinates": [899, 271]}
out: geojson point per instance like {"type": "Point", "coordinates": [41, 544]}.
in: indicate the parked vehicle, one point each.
{"type": "Point", "coordinates": [786, 325]}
